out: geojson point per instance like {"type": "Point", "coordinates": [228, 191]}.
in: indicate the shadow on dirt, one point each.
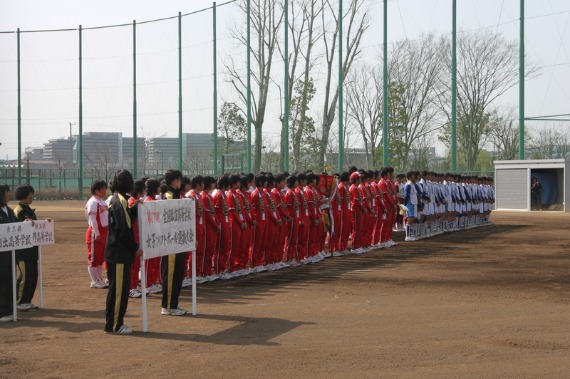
{"type": "Point", "coordinates": [256, 286]}
{"type": "Point", "coordinates": [248, 331]}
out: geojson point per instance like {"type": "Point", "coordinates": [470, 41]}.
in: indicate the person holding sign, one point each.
{"type": "Point", "coordinates": [173, 264]}
{"type": "Point", "coordinates": [6, 300]}
{"type": "Point", "coordinates": [121, 250]}
{"type": "Point", "coordinates": [27, 258]}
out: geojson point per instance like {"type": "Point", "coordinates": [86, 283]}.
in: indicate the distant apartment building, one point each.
{"type": "Point", "coordinates": [111, 150]}
{"type": "Point", "coordinates": [60, 151]}
{"type": "Point", "coordinates": [128, 152]}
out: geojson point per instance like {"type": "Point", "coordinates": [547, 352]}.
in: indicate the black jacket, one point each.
{"type": "Point", "coordinates": [5, 256]}
{"type": "Point", "coordinates": [120, 246]}
{"type": "Point", "coordinates": [22, 212]}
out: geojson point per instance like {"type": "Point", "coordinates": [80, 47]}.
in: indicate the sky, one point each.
{"type": "Point", "coordinates": [49, 68]}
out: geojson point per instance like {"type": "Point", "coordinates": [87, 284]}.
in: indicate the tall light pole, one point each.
{"type": "Point", "coordinates": [161, 152]}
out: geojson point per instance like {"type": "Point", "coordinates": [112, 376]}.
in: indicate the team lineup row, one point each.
{"type": "Point", "coordinates": [249, 223]}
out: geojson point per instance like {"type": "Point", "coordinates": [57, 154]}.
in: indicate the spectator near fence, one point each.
{"type": "Point", "coordinates": [535, 191]}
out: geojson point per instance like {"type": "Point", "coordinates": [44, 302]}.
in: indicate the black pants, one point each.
{"type": "Point", "coordinates": [535, 200]}
{"type": "Point", "coordinates": [6, 299]}
{"type": "Point", "coordinates": [172, 277]}
{"type": "Point", "coordinates": [27, 280]}
{"type": "Point", "coordinates": [119, 275]}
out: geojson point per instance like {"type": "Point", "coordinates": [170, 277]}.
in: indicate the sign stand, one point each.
{"type": "Point", "coordinates": [194, 283]}
{"type": "Point", "coordinates": [14, 298]}
{"type": "Point", "coordinates": [40, 277]}
{"type": "Point", "coordinates": [143, 289]}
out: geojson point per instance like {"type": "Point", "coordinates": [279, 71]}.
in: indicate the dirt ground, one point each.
{"type": "Point", "coordinates": [488, 302]}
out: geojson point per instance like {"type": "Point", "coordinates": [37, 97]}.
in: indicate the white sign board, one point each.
{"type": "Point", "coordinates": [23, 235]}
{"type": "Point", "coordinates": [167, 227]}
{"type": "Point", "coordinates": [16, 236]}
{"type": "Point", "coordinates": [43, 233]}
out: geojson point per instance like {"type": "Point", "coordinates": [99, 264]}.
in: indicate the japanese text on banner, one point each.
{"type": "Point", "coordinates": [15, 236]}
{"type": "Point", "coordinates": [167, 227]}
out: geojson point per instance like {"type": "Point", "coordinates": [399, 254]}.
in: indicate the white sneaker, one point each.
{"type": "Point", "coordinates": [135, 293]}
{"type": "Point", "coordinates": [24, 307]}
{"type": "Point", "coordinates": [173, 312]}
{"type": "Point", "coordinates": [155, 288]}
{"type": "Point", "coordinates": [98, 285]}
{"type": "Point", "coordinates": [124, 330]}
{"type": "Point", "coordinates": [337, 254]}
{"type": "Point", "coordinates": [226, 276]}
{"type": "Point", "coordinates": [294, 263]}
{"type": "Point", "coordinates": [6, 318]}
{"type": "Point", "coordinates": [187, 282]}
{"type": "Point", "coordinates": [259, 269]}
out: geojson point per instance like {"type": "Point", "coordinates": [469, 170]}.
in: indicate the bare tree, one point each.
{"type": "Point", "coordinates": [196, 164]}
{"type": "Point", "coordinates": [103, 163]}
{"type": "Point", "coordinates": [304, 33]}
{"type": "Point", "coordinates": [358, 22]}
{"type": "Point", "coordinates": [266, 19]}
{"type": "Point", "coordinates": [364, 105]}
{"type": "Point", "coordinates": [415, 70]}
{"type": "Point", "coordinates": [487, 67]}
{"type": "Point", "coordinates": [552, 143]}
{"type": "Point", "coordinates": [504, 133]}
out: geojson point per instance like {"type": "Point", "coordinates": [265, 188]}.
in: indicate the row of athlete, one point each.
{"type": "Point", "coordinates": [437, 203]}
{"type": "Point", "coordinates": [247, 223]}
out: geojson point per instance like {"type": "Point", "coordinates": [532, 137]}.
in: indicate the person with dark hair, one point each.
{"type": "Point", "coordinates": [313, 200]}
{"type": "Point", "coordinates": [273, 224]}
{"type": "Point", "coordinates": [293, 210]}
{"type": "Point", "coordinates": [97, 215]}
{"type": "Point", "coordinates": [411, 202]}
{"type": "Point", "coordinates": [6, 299]}
{"type": "Point", "coordinates": [136, 198]}
{"type": "Point", "coordinates": [250, 183]}
{"type": "Point", "coordinates": [369, 215]}
{"type": "Point", "coordinates": [283, 215]}
{"type": "Point", "coordinates": [398, 215]}
{"type": "Point", "coordinates": [238, 226]}
{"type": "Point", "coordinates": [379, 208]}
{"type": "Point", "coordinates": [243, 257]}
{"type": "Point", "coordinates": [211, 229]}
{"type": "Point", "coordinates": [27, 259]}
{"type": "Point", "coordinates": [535, 191]}
{"type": "Point", "coordinates": [222, 264]}
{"type": "Point", "coordinates": [357, 212]}
{"type": "Point", "coordinates": [152, 265]}
{"type": "Point", "coordinates": [121, 250]}
{"type": "Point", "coordinates": [185, 186]}
{"type": "Point", "coordinates": [172, 268]}
{"type": "Point", "coordinates": [259, 209]}
{"type": "Point", "coordinates": [304, 220]}
{"type": "Point", "coordinates": [197, 184]}
{"type": "Point", "coordinates": [390, 198]}
{"type": "Point", "coordinates": [339, 208]}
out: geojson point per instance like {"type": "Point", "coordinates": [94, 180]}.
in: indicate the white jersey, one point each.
{"type": "Point", "coordinates": [97, 207]}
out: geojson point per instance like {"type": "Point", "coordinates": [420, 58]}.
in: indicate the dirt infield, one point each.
{"type": "Point", "coordinates": [489, 302]}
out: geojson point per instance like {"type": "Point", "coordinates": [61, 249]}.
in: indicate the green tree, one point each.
{"type": "Point", "coordinates": [232, 125]}
{"type": "Point", "coordinates": [302, 126]}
